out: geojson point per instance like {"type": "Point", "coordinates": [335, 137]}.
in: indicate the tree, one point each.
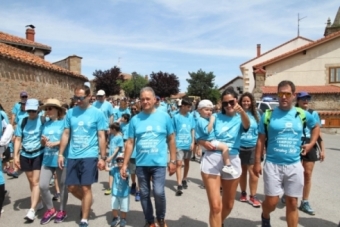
{"type": "Point", "coordinates": [108, 80]}
{"type": "Point", "coordinates": [164, 84]}
{"type": "Point", "coordinates": [201, 84]}
{"type": "Point", "coordinates": [133, 86]}
{"type": "Point", "coordinates": [214, 95]}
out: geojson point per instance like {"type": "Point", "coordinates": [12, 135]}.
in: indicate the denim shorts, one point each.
{"type": "Point", "coordinates": [120, 203]}
{"type": "Point", "coordinates": [82, 171]}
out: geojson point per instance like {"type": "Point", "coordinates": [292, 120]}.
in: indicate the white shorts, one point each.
{"type": "Point", "coordinates": [215, 143]}
{"type": "Point", "coordinates": [212, 163]}
{"type": "Point", "coordinates": [279, 179]}
{"type": "Point", "coordinates": [120, 203]}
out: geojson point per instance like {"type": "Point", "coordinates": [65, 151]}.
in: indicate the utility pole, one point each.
{"type": "Point", "coordinates": [298, 20]}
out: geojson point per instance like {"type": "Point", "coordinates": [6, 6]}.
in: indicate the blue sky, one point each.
{"type": "Point", "coordinates": [174, 36]}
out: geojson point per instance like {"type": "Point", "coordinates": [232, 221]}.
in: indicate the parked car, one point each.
{"type": "Point", "coordinates": [264, 105]}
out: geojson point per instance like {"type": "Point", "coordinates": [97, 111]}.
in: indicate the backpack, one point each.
{"type": "Point", "coordinates": [299, 113]}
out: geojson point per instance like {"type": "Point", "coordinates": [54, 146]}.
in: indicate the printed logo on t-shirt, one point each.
{"type": "Point", "coordinates": [81, 127]}
{"type": "Point", "coordinates": [149, 132]}
{"type": "Point", "coordinates": [288, 128]}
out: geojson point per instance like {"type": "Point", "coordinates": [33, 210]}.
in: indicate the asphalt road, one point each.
{"type": "Point", "coordinates": [191, 209]}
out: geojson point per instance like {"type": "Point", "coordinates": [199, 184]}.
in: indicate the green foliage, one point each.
{"type": "Point", "coordinates": [133, 86]}
{"type": "Point", "coordinates": [108, 80]}
{"type": "Point", "coordinates": [214, 95]}
{"type": "Point", "coordinates": [164, 84]}
{"type": "Point", "coordinates": [202, 84]}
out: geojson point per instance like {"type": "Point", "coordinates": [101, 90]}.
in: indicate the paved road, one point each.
{"type": "Point", "coordinates": [191, 209]}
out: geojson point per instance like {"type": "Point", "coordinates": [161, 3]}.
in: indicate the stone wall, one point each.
{"type": "Point", "coordinates": [259, 83]}
{"type": "Point", "coordinates": [325, 102]}
{"type": "Point", "coordinates": [39, 83]}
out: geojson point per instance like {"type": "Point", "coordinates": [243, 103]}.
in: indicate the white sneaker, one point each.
{"type": "Point", "coordinates": [30, 215]}
{"type": "Point", "coordinates": [2, 210]}
{"type": "Point", "coordinates": [230, 170]}
{"type": "Point", "coordinates": [40, 206]}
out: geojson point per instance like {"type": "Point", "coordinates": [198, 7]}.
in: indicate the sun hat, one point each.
{"type": "Point", "coordinates": [205, 103]}
{"type": "Point", "coordinates": [32, 104]}
{"type": "Point", "coordinates": [53, 103]}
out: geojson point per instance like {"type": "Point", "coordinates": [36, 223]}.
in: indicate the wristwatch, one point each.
{"type": "Point", "coordinates": [103, 158]}
{"type": "Point", "coordinates": [173, 162]}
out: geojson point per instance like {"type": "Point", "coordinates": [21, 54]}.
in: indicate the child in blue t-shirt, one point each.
{"type": "Point", "coordinates": [204, 131]}
{"type": "Point", "coordinates": [116, 146]}
{"type": "Point", "coordinates": [124, 125]}
{"type": "Point", "coordinates": [120, 193]}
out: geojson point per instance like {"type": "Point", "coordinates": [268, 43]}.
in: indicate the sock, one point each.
{"type": "Point", "coordinates": [228, 165]}
{"type": "Point", "coordinates": [84, 220]}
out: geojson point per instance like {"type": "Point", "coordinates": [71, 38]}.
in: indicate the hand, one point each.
{"type": "Point", "coordinates": [101, 164]}
{"type": "Point", "coordinates": [61, 162]}
{"type": "Point", "coordinates": [257, 169]}
{"type": "Point", "coordinates": [306, 148]}
{"type": "Point", "coordinates": [212, 118]}
{"type": "Point", "coordinates": [322, 156]}
{"type": "Point", "coordinates": [17, 161]}
{"type": "Point", "coordinates": [43, 140]}
{"type": "Point", "coordinates": [238, 108]}
{"type": "Point", "coordinates": [171, 168]}
{"type": "Point", "coordinates": [50, 144]}
{"type": "Point", "coordinates": [198, 151]}
{"type": "Point", "coordinates": [123, 172]}
{"type": "Point", "coordinates": [207, 145]}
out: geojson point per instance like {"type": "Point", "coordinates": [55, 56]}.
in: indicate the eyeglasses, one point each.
{"type": "Point", "coordinates": [305, 99]}
{"type": "Point", "coordinates": [120, 160]}
{"type": "Point", "coordinates": [227, 103]}
{"type": "Point", "coordinates": [48, 108]}
{"type": "Point", "coordinates": [81, 98]}
{"type": "Point", "coordinates": [31, 111]}
{"type": "Point", "coordinates": [286, 94]}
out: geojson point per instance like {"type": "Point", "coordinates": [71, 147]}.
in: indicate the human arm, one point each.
{"type": "Point", "coordinates": [172, 149]}
{"type": "Point", "coordinates": [102, 148]}
{"type": "Point", "coordinates": [130, 143]}
{"type": "Point", "coordinates": [315, 132]}
{"type": "Point", "coordinates": [17, 145]}
{"type": "Point", "coordinates": [261, 140]}
{"type": "Point", "coordinates": [244, 116]}
{"type": "Point", "coordinates": [63, 143]}
{"type": "Point", "coordinates": [192, 145]}
{"type": "Point", "coordinates": [211, 123]}
{"type": "Point", "coordinates": [109, 159]}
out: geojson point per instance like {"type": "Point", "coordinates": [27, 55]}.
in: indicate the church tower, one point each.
{"type": "Point", "coordinates": [331, 28]}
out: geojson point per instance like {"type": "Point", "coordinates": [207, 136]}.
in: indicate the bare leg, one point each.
{"type": "Point", "coordinates": [292, 213]}
{"type": "Point", "coordinates": [269, 205]}
{"type": "Point", "coordinates": [243, 178]}
{"type": "Point", "coordinates": [186, 168]}
{"type": "Point", "coordinates": [253, 181]}
{"type": "Point", "coordinates": [33, 179]}
{"type": "Point", "coordinates": [86, 201]}
{"type": "Point", "coordinates": [179, 172]}
{"type": "Point", "coordinates": [228, 197]}
{"type": "Point", "coordinates": [308, 166]}
{"type": "Point", "coordinates": [225, 153]}
{"type": "Point", "coordinates": [76, 191]}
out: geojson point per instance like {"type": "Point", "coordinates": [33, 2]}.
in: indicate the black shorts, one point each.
{"type": "Point", "coordinates": [81, 171]}
{"type": "Point", "coordinates": [247, 155]}
{"type": "Point", "coordinates": [312, 156]}
{"type": "Point", "coordinates": [30, 164]}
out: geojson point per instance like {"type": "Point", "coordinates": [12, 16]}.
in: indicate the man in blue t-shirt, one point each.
{"type": "Point", "coordinates": [104, 106]}
{"type": "Point", "coordinates": [152, 132]}
{"type": "Point", "coordinates": [283, 171]}
{"type": "Point", "coordinates": [84, 130]}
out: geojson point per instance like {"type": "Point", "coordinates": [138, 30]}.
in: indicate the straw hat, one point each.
{"type": "Point", "coordinates": [53, 103]}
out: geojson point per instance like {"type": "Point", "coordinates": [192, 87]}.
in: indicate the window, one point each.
{"type": "Point", "coordinates": [334, 75]}
{"type": "Point", "coordinates": [263, 107]}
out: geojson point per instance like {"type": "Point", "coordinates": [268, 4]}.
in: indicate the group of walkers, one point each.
{"type": "Point", "coordinates": [147, 140]}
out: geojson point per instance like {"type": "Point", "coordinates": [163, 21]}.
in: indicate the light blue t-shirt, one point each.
{"type": "Point", "coordinates": [201, 130]}
{"type": "Point", "coordinates": [4, 116]}
{"type": "Point", "coordinates": [317, 120]}
{"type": "Point", "coordinates": [16, 108]}
{"type": "Point", "coordinates": [284, 136]}
{"type": "Point", "coordinates": [120, 186]}
{"type": "Point", "coordinates": [118, 114]}
{"type": "Point", "coordinates": [183, 126]}
{"type": "Point", "coordinates": [19, 116]}
{"type": "Point", "coordinates": [249, 138]}
{"type": "Point", "coordinates": [30, 137]}
{"type": "Point", "coordinates": [150, 132]}
{"type": "Point", "coordinates": [84, 125]}
{"type": "Point", "coordinates": [106, 108]}
{"type": "Point", "coordinates": [228, 129]}
{"type": "Point", "coordinates": [124, 128]}
{"type": "Point", "coordinates": [116, 141]}
{"type": "Point", "coordinates": [53, 131]}
{"type": "Point", "coordinates": [163, 107]}
{"type": "Point", "coordinates": [2, 179]}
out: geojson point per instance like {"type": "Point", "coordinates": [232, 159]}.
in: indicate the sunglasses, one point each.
{"type": "Point", "coordinates": [48, 108]}
{"type": "Point", "coordinates": [120, 160]}
{"type": "Point", "coordinates": [81, 98]}
{"type": "Point", "coordinates": [285, 94]}
{"type": "Point", "coordinates": [100, 96]}
{"type": "Point", "coordinates": [133, 109]}
{"type": "Point", "coordinates": [24, 97]}
{"type": "Point", "coordinates": [227, 103]}
{"type": "Point", "coordinates": [305, 99]}
{"type": "Point", "coordinates": [31, 111]}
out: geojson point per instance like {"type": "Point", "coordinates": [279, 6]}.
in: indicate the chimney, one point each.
{"type": "Point", "coordinates": [30, 34]}
{"type": "Point", "coordinates": [258, 50]}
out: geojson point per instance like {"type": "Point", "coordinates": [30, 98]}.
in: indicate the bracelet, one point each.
{"type": "Point", "coordinates": [61, 155]}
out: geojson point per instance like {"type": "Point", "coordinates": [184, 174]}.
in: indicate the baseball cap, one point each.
{"type": "Point", "coordinates": [120, 156]}
{"type": "Point", "coordinates": [23, 93]}
{"type": "Point", "coordinates": [205, 103]}
{"type": "Point", "coordinates": [32, 104]}
{"type": "Point", "coordinates": [303, 94]}
{"type": "Point", "coordinates": [101, 92]}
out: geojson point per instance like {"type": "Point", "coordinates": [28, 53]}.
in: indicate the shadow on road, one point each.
{"type": "Point", "coordinates": [334, 149]}
{"type": "Point", "coordinates": [239, 222]}
{"type": "Point", "coordinates": [313, 222]}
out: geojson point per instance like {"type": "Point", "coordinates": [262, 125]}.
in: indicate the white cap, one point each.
{"type": "Point", "coordinates": [101, 92]}
{"type": "Point", "coordinates": [120, 156]}
{"type": "Point", "coordinates": [205, 104]}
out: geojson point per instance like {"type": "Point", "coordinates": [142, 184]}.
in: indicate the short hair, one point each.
{"type": "Point", "coordinates": [285, 83]}
{"type": "Point", "coordinates": [148, 89]}
{"type": "Point", "coordinates": [186, 102]}
{"type": "Point", "coordinates": [126, 116]}
{"type": "Point", "coordinates": [115, 126]}
{"type": "Point", "coordinates": [85, 88]}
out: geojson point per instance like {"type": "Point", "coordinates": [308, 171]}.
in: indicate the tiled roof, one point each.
{"type": "Point", "coordinates": [298, 37]}
{"type": "Point", "coordinates": [326, 89]}
{"type": "Point", "coordinates": [299, 49]}
{"type": "Point", "coordinates": [31, 59]}
{"type": "Point", "coordinates": [329, 113]}
{"type": "Point", "coordinates": [11, 39]}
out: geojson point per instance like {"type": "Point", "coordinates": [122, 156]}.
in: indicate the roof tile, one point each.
{"type": "Point", "coordinates": [4, 37]}
{"type": "Point", "coordinates": [31, 59]}
{"type": "Point", "coordinates": [326, 89]}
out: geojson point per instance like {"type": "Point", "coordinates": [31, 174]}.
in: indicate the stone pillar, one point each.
{"type": "Point", "coordinates": [260, 78]}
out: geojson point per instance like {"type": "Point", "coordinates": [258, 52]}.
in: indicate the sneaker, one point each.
{"type": "Point", "coordinates": [60, 217]}
{"type": "Point", "coordinates": [147, 224]}
{"type": "Point", "coordinates": [30, 215]}
{"type": "Point", "coordinates": [193, 158]}
{"type": "Point", "coordinates": [115, 221]}
{"type": "Point", "coordinates": [161, 223]}
{"type": "Point", "coordinates": [254, 201]}
{"type": "Point", "coordinates": [185, 184]}
{"type": "Point", "coordinates": [137, 196]}
{"type": "Point", "coordinates": [107, 192]}
{"type": "Point", "coordinates": [6, 170]}
{"type": "Point", "coordinates": [2, 210]}
{"type": "Point", "coordinates": [122, 222]}
{"type": "Point", "coordinates": [83, 224]}
{"type": "Point", "coordinates": [49, 214]}
{"type": "Point", "coordinates": [133, 189]}
{"type": "Point", "coordinates": [40, 206]}
{"type": "Point", "coordinates": [283, 199]}
{"type": "Point", "coordinates": [305, 207]}
{"type": "Point", "coordinates": [52, 181]}
{"type": "Point", "coordinates": [265, 222]}
{"type": "Point", "coordinates": [56, 196]}
{"type": "Point", "coordinates": [179, 190]}
{"type": "Point", "coordinates": [230, 170]}
{"type": "Point", "coordinates": [243, 197]}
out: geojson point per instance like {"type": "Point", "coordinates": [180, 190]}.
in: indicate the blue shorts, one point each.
{"type": "Point", "coordinates": [120, 203]}
{"type": "Point", "coordinates": [81, 171]}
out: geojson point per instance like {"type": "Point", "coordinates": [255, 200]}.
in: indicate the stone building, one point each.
{"type": "Point", "coordinates": [236, 83]}
{"type": "Point", "coordinates": [23, 68]}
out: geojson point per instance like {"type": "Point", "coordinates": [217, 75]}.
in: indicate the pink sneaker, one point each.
{"type": "Point", "coordinates": [254, 201]}
{"type": "Point", "coordinates": [49, 214]}
{"type": "Point", "coordinates": [60, 217]}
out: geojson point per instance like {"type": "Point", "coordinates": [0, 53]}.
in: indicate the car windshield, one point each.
{"type": "Point", "coordinates": [274, 105]}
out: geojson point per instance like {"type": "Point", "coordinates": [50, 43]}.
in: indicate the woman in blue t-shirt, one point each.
{"type": "Point", "coordinates": [247, 150]}
{"type": "Point", "coordinates": [228, 127]}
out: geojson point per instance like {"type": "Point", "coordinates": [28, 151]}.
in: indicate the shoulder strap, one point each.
{"type": "Point", "coordinates": [23, 123]}
{"type": "Point", "coordinates": [302, 115]}
{"type": "Point", "coordinates": [267, 116]}
{"type": "Point", "coordinates": [42, 120]}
